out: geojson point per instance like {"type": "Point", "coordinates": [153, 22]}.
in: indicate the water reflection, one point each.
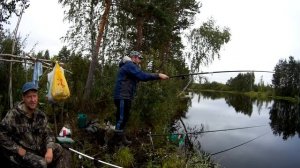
{"type": "Point", "coordinates": [241, 104]}
{"type": "Point", "coordinates": [280, 119]}
{"type": "Point", "coordinates": [212, 95]}
{"type": "Point", "coordinates": [284, 116]}
{"type": "Point", "coordinates": [285, 119]}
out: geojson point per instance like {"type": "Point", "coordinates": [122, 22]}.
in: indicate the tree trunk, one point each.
{"type": "Point", "coordinates": [165, 52]}
{"type": "Point", "coordinates": [10, 65]}
{"type": "Point", "coordinates": [139, 36]}
{"type": "Point", "coordinates": [89, 82]}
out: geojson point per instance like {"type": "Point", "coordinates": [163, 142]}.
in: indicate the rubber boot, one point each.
{"type": "Point", "coordinates": [122, 138]}
{"type": "Point", "coordinates": [125, 141]}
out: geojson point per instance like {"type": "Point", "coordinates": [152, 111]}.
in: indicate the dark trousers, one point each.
{"type": "Point", "coordinates": [123, 112]}
{"type": "Point", "coordinates": [36, 159]}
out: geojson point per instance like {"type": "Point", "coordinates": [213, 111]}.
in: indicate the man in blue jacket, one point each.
{"type": "Point", "coordinates": [128, 76]}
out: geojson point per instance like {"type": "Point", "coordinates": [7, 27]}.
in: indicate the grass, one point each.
{"type": "Point", "coordinates": [124, 157]}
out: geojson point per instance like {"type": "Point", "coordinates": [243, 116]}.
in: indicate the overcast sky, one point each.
{"type": "Point", "coordinates": [262, 32]}
{"type": "Point", "coordinates": [43, 22]}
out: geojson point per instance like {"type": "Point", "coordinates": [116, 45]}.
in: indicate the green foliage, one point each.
{"type": "Point", "coordinates": [173, 161]}
{"type": "Point", "coordinates": [11, 7]}
{"type": "Point", "coordinates": [206, 42]}
{"type": "Point", "coordinates": [286, 79]}
{"type": "Point", "coordinates": [6, 44]}
{"type": "Point", "coordinates": [83, 15]}
{"type": "Point", "coordinates": [81, 161]}
{"type": "Point", "coordinates": [78, 65]}
{"type": "Point", "coordinates": [164, 155]}
{"type": "Point", "coordinates": [162, 23]}
{"type": "Point", "coordinates": [157, 103]}
{"type": "Point", "coordinates": [124, 157]}
{"type": "Point", "coordinates": [19, 73]}
{"type": "Point", "coordinates": [168, 155]}
{"type": "Point", "coordinates": [210, 86]}
{"type": "Point", "coordinates": [162, 20]}
{"type": "Point", "coordinates": [64, 54]}
{"type": "Point", "coordinates": [242, 82]}
{"type": "Point", "coordinates": [201, 160]}
{"type": "Point", "coordinates": [159, 23]}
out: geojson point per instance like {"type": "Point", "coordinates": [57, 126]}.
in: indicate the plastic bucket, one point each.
{"type": "Point", "coordinates": [82, 120]}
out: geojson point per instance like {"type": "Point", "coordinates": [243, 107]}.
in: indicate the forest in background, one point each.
{"type": "Point", "coordinates": [101, 33]}
{"type": "Point", "coordinates": [285, 83]}
{"type": "Point", "coordinates": [153, 27]}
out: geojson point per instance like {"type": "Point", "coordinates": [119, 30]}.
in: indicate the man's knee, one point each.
{"type": "Point", "coordinates": [34, 160]}
{"type": "Point", "coordinates": [57, 149]}
{"type": "Point", "coordinates": [62, 158]}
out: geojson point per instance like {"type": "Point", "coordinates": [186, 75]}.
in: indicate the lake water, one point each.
{"type": "Point", "coordinates": [275, 144]}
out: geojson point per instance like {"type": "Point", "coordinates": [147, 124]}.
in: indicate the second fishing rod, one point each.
{"type": "Point", "coordinates": [200, 132]}
{"type": "Point", "coordinates": [214, 72]}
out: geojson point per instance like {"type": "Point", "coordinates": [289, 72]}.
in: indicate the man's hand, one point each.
{"type": "Point", "coordinates": [21, 151]}
{"type": "Point", "coordinates": [49, 155]}
{"type": "Point", "coordinates": [163, 76]}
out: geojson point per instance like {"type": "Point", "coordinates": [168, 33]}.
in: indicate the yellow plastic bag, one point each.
{"type": "Point", "coordinates": [60, 89]}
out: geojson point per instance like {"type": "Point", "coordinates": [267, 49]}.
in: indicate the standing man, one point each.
{"type": "Point", "coordinates": [128, 76]}
{"type": "Point", "coordinates": [25, 135]}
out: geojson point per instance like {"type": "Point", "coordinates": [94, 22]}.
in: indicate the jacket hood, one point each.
{"type": "Point", "coordinates": [20, 108]}
{"type": "Point", "coordinates": [124, 60]}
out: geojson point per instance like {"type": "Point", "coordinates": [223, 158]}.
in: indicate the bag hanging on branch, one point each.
{"type": "Point", "coordinates": [49, 86]}
{"type": "Point", "coordinates": [60, 89]}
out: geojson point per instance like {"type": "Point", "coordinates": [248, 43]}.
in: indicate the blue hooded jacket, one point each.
{"type": "Point", "coordinates": [128, 76]}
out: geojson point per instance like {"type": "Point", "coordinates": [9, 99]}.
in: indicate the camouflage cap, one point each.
{"type": "Point", "coordinates": [136, 53]}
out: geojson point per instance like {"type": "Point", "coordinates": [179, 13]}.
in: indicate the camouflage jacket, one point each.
{"type": "Point", "coordinates": [33, 134]}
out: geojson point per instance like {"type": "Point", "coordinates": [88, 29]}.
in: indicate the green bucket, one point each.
{"type": "Point", "coordinates": [82, 120]}
{"type": "Point", "coordinates": [177, 138]}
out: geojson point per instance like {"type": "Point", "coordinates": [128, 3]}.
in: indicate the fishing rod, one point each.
{"type": "Point", "coordinates": [212, 72]}
{"type": "Point", "coordinates": [92, 158]}
{"type": "Point", "coordinates": [200, 132]}
{"type": "Point", "coordinates": [64, 141]}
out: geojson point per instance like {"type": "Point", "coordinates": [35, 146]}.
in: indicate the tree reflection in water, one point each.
{"type": "Point", "coordinates": [240, 103]}
{"type": "Point", "coordinates": [284, 115]}
{"type": "Point", "coordinates": [280, 117]}
{"type": "Point", "coordinates": [285, 119]}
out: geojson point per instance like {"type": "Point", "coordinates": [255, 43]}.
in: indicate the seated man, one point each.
{"type": "Point", "coordinates": [25, 135]}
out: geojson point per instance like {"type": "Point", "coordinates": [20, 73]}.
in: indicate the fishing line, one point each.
{"type": "Point", "coordinates": [235, 146]}
{"type": "Point", "coordinates": [239, 144]}
{"type": "Point", "coordinates": [200, 132]}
